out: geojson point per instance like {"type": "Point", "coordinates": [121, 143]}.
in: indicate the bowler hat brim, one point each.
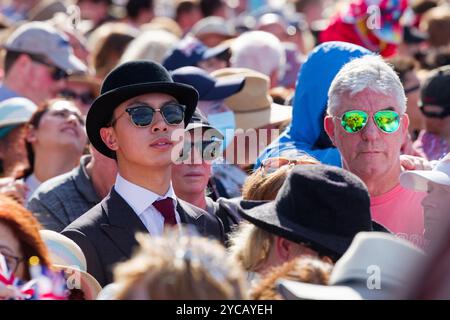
{"type": "Point", "coordinates": [102, 109]}
{"type": "Point", "coordinates": [264, 215]}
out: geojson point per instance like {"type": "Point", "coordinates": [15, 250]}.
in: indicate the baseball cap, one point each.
{"type": "Point", "coordinates": [41, 38]}
{"type": "Point", "coordinates": [436, 91]}
{"type": "Point", "coordinates": [189, 52]}
{"type": "Point", "coordinates": [14, 111]}
{"type": "Point", "coordinates": [418, 179]}
{"type": "Point", "coordinates": [208, 87]}
{"type": "Point", "coordinates": [213, 25]}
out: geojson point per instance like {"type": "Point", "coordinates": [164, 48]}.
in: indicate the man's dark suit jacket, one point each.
{"type": "Point", "coordinates": [106, 233]}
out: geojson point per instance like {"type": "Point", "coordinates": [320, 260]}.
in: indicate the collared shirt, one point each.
{"type": "Point", "coordinates": [141, 201]}
{"type": "Point", "coordinates": [32, 183]}
{"type": "Point", "coordinates": [60, 200]}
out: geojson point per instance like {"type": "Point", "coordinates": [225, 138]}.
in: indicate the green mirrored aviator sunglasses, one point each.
{"type": "Point", "coordinates": [355, 120]}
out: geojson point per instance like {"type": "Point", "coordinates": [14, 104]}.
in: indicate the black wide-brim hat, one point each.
{"type": "Point", "coordinates": [129, 80]}
{"type": "Point", "coordinates": [321, 206]}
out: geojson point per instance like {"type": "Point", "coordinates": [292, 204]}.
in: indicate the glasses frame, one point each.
{"type": "Point", "coordinates": [56, 73]}
{"type": "Point", "coordinates": [130, 111]}
{"type": "Point", "coordinates": [399, 117]}
{"type": "Point", "coordinates": [17, 260]}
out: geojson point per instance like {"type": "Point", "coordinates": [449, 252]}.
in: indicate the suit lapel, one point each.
{"type": "Point", "coordinates": [123, 223]}
{"type": "Point", "coordinates": [190, 216]}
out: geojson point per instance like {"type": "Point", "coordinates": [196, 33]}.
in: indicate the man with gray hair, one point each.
{"type": "Point", "coordinates": [260, 51]}
{"type": "Point", "coordinates": [367, 122]}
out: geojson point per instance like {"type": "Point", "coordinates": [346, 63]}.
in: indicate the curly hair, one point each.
{"type": "Point", "coordinates": [304, 269]}
{"type": "Point", "coordinates": [26, 228]}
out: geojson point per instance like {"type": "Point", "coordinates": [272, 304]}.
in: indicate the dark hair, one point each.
{"type": "Point", "coordinates": [185, 7]}
{"type": "Point", "coordinates": [133, 7]}
{"type": "Point", "coordinates": [402, 65]}
{"type": "Point", "coordinates": [208, 7]}
{"type": "Point", "coordinates": [10, 58]}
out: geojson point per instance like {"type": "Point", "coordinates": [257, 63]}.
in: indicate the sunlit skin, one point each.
{"type": "Point", "coordinates": [191, 178]}
{"type": "Point", "coordinates": [371, 154]}
{"type": "Point", "coordinates": [61, 126]}
{"type": "Point", "coordinates": [436, 206]}
{"type": "Point", "coordinates": [39, 85]}
{"type": "Point", "coordinates": [144, 155]}
{"type": "Point", "coordinates": [10, 245]}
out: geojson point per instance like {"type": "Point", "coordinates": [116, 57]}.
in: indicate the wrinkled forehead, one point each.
{"type": "Point", "coordinates": [368, 101]}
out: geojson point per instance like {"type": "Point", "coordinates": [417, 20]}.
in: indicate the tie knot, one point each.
{"type": "Point", "coordinates": [167, 209]}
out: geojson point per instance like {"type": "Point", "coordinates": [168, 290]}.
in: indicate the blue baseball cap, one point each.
{"type": "Point", "coordinates": [208, 87]}
{"type": "Point", "coordinates": [190, 51]}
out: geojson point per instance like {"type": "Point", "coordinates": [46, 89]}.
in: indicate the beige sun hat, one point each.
{"type": "Point", "coordinates": [253, 107]}
{"type": "Point", "coordinates": [67, 256]}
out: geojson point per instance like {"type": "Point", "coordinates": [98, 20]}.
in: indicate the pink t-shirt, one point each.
{"type": "Point", "coordinates": [400, 210]}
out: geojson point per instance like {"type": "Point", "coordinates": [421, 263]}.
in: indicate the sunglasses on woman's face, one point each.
{"type": "Point", "coordinates": [86, 97]}
{"type": "Point", "coordinates": [142, 116]}
{"type": "Point", "coordinates": [354, 121]}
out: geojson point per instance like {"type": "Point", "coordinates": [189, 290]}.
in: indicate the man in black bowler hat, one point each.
{"type": "Point", "coordinates": [134, 121]}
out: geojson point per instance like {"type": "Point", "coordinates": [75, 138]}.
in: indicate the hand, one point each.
{"type": "Point", "coordinates": [409, 162]}
{"type": "Point", "coordinates": [13, 188]}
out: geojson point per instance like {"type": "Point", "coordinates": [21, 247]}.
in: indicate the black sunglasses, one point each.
{"type": "Point", "coordinates": [85, 97]}
{"type": "Point", "coordinates": [208, 149]}
{"type": "Point", "coordinates": [56, 72]}
{"type": "Point", "coordinates": [142, 116]}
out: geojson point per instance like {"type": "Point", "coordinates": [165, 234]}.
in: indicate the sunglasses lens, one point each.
{"type": "Point", "coordinates": [173, 113]}
{"type": "Point", "coordinates": [141, 116]}
{"type": "Point", "coordinates": [354, 121]}
{"type": "Point", "coordinates": [87, 98]}
{"type": "Point", "coordinates": [209, 149]}
{"type": "Point", "coordinates": [59, 74]}
{"type": "Point", "coordinates": [387, 120]}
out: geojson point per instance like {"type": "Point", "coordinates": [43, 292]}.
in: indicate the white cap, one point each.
{"type": "Point", "coordinates": [418, 179]}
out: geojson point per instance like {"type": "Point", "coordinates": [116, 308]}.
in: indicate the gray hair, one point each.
{"type": "Point", "coordinates": [260, 51]}
{"type": "Point", "coordinates": [368, 72]}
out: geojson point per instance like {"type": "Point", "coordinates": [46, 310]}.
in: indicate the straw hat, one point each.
{"type": "Point", "coordinates": [253, 107]}
{"type": "Point", "coordinates": [66, 255]}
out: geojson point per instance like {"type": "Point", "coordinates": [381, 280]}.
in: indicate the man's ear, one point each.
{"type": "Point", "coordinates": [328, 125]}
{"type": "Point", "coordinates": [405, 123]}
{"type": "Point", "coordinates": [109, 138]}
{"type": "Point", "coordinates": [282, 247]}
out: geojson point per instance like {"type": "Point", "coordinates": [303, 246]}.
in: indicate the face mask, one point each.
{"type": "Point", "coordinates": [225, 123]}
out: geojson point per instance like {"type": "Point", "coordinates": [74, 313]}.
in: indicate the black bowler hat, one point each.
{"type": "Point", "coordinates": [321, 206]}
{"type": "Point", "coordinates": [129, 80]}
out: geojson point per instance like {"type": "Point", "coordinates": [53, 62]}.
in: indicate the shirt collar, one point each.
{"type": "Point", "coordinates": [138, 197]}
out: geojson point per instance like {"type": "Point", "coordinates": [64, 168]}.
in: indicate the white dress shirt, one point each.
{"type": "Point", "coordinates": [141, 201]}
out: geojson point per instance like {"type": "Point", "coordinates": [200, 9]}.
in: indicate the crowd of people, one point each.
{"type": "Point", "coordinates": [214, 149]}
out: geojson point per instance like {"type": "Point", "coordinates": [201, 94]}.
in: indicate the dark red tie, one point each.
{"type": "Point", "coordinates": [166, 208]}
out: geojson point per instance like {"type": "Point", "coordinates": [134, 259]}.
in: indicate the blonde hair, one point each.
{"type": "Point", "coordinates": [179, 266]}
{"type": "Point", "coordinates": [247, 237]}
{"type": "Point", "coordinates": [304, 269]}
